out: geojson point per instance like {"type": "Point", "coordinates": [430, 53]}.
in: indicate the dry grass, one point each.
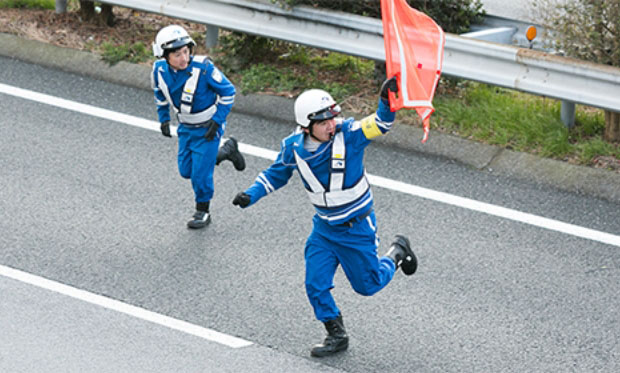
{"type": "Point", "coordinates": [69, 30]}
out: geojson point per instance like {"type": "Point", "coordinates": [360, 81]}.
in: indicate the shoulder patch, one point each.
{"type": "Point", "coordinates": [216, 75]}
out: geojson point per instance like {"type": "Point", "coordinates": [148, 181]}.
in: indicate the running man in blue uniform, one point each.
{"type": "Point", "coordinates": [201, 97]}
{"type": "Point", "coordinates": [328, 154]}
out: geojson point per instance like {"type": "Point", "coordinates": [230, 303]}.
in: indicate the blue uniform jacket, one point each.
{"type": "Point", "coordinates": [211, 84]}
{"type": "Point", "coordinates": [355, 139]}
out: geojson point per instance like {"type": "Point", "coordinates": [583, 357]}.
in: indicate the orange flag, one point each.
{"type": "Point", "coordinates": [414, 54]}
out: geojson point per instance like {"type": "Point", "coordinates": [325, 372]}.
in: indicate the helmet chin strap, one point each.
{"type": "Point", "coordinates": [314, 137]}
{"type": "Point", "coordinates": [312, 134]}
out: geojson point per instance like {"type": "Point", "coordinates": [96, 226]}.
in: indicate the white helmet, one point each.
{"type": "Point", "coordinates": [315, 105]}
{"type": "Point", "coordinates": [171, 37]}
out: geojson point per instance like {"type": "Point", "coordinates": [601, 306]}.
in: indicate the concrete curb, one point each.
{"type": "Point", "coordinates": [600, 183]}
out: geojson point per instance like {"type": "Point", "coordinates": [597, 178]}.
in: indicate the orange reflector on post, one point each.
{"type": "Point", "coordinates": [530, 33]}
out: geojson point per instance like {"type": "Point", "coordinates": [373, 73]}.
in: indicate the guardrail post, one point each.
{"type": "Point", "coordinates": [213, 33]}
{"type": "Point", "coordinates": [61, 6]}
{"type": "Point", "coordinates": [567, 113]}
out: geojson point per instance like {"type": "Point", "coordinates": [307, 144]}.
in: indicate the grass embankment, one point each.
{"type": "Point", "coordinates": [476, 111]}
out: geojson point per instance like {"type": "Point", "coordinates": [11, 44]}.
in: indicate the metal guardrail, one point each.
{"type": "Point", "coordinates": [507, 66]}
{"type": "Point", "coordinates": [516, 36]}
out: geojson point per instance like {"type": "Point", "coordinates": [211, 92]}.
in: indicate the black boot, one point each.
{"type": "Point", "coordinates": [402, 255]}
{"type": "Point", "coordinates": [231, 152]}
{"type": "Point", "coordinates": [201, 217]}
{"type": "Point", "coordinates": [336, 340]}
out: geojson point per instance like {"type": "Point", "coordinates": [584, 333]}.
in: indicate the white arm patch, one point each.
{"type": "Point", "coordinates": [216, 75]}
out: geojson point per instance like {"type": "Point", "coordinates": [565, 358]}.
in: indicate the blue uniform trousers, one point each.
{"type": "Point", "coordinates": [196, 161]}
{"type": "Point", "coordinates": [355, 248]}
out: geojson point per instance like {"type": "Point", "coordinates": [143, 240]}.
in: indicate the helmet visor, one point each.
{"type": "Point", "coordinates": [177, 43]}
{"type": "Point", "coordinates": [324, 114]}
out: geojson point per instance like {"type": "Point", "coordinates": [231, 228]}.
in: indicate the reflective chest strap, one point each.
{"type": "Point", "coordinates": [336, 196]}
{"type": "Point", "coordinates": [184, 114]}
{"type": "Point", "coordinates": [187, 97]}
{"type": "Point", "coordinates": [338, 166]}
{"type": "Point", "coordinates": [164, 88]}
{"type": "Point", "coordinates": [306, 173]}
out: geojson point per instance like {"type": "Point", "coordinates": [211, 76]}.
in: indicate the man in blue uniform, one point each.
{"type": "Point", "coordinates": [328, 153]}
{"type": "Point", "coordinates": [201, 97]}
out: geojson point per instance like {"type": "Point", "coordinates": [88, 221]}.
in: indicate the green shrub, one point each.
{"type": "Point", "coordinates": [351, 67]}
{"type": "Point", "coordinates": [584, 29]}
{"type": "Point", "coordinates": [28, 4]}
{"type": "Point", "coordinates": [262, 78]}
{"type": "Point", "coordinates": [454, 16]}
{"type": "Point", "coordinates": [135, 53]}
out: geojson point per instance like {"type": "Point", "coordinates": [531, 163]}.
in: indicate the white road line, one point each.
{"type": "Point", "coordinates": [502, 212]}
{"type": "Point", "coordinates": [466, 203]}
{"type": "Point", "coordinates": [125, 308]}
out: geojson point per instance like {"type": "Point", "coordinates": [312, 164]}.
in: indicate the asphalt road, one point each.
{"type": "Point", "coordinates": [98, 205]}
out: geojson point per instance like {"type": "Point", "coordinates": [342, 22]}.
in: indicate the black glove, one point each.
{"type": "Point", "coordinates": [165, 129]}
{"type": "Point", "coordinates": [212, 127]}
{"type": "Point", "coordinates": [389, 85]}
{"type": "Point", "coordinates": [241, 200]}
